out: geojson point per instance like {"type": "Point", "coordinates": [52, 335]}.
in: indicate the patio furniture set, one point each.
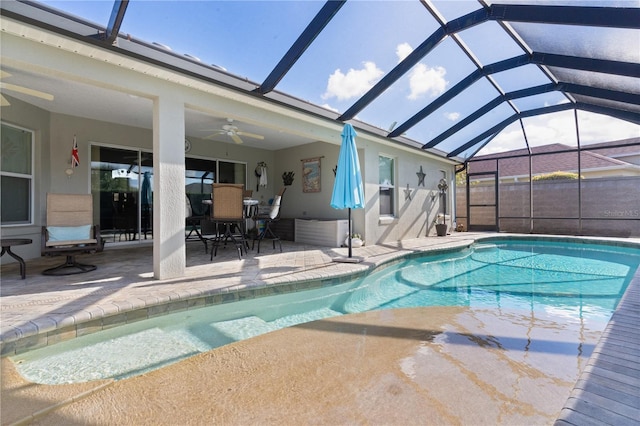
{"type": "Point", "coordinates": [70, 229]}
{"type": "Point", "coordinates": [225, 221]}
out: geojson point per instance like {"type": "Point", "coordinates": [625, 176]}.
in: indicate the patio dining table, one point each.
{"type": "Point", "coordinates": [250, 208]}
{"type": "Point", "coordinates": [249, 205]}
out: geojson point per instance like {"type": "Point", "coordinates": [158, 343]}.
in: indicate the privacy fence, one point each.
{"type": "Point", "coordinates": [597, 201]}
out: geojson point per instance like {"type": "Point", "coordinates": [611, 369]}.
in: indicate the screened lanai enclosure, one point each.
{"type": "Point", "coordinates": [554, 189]}
{"type": "Point", "coordinates": [537, 102]}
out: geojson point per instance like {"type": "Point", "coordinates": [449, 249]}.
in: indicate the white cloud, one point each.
{"type": "Point", "coordinates": [596, 128]}
{"type": "Point", "coordinates": [560, 128]}
{"type": "Point", "coordinates": [453, 116]}
{"type": "Point", "coordinates": [352, 84]}
{"type": "Point", "coordinates": [356, 82]}
{"type": "Point", "coordinates": [423, 80]}
{"type": "Point", "coordinates": [403, 50]}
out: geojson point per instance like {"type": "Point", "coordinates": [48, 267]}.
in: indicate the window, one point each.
{"type": "Point", "coordinates": [386, 166]}
{"type": "Point", "coordinates": [232, 172]}
{"type": "Point", "coordinates": [16, 174]}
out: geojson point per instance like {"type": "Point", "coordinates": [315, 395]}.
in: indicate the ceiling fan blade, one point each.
{"type": "Point", "coordinates": [26, 91]}
{"type": "Point", "coordinates": [236, 138]}
{"type": "Point", "coordinates": [250, 135]}
{"type": "Point", "coordinates": [212, 135]}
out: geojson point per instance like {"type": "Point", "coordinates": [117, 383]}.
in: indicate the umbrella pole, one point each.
{"type": "Point", "coordinates": [349, 237]}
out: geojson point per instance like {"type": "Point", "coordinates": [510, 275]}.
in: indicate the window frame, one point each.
{"type": "Point", "coordinates": [30, 177]}
{"type": "Point", "coordinates": [391, 187]}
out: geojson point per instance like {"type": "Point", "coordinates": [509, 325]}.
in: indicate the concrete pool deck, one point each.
{"type": "Point", "coordinates": [42, 310]}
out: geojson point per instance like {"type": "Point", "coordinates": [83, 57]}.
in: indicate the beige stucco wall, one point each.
{"type": "Point", "coordinates": [53, 142]}
{"type": "Point", "coordinates": [312, 205]}
{"type": "Point", "coordinates": [417, 206]}
{"type": "Point", "coordinates": [414, 215]}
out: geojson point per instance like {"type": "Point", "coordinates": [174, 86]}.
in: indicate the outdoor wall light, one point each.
{"type": "Point", "coordinates": [442, 186]}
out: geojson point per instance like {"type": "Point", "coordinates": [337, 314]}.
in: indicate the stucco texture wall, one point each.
{"type": "Point", "coordinates": [309, 205]}
{"type": "Point", "coordinates": [54, 135]}
{"type": "Point", "coordinates": [416, 207]}
{"type": "Point", "coordinates": [417, 202]}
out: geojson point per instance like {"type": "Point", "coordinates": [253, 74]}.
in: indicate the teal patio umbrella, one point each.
{"type": "Point", "coordinates": [348, 192]}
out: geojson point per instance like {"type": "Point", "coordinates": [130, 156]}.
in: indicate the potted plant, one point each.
{"type": "Point", "coordinates": [356, 240]}
{"type": "Point", "coordinates": [441, 225]}
{"type": "Point", "coordinates": [287, 178]}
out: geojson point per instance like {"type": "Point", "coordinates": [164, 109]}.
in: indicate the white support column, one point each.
{"type": "Point", "coordinates": [169, 253]}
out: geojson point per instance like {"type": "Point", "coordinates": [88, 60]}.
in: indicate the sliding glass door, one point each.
{"type": "Point", "coordinates": [122, 188]}
{"type": "Point", "coordinates": [200, 174]}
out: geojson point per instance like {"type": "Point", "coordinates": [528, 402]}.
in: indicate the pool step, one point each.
{"type": "Point", "coordinates": [243, 328]}
{"type": "Point", "coordinates": [375, 296]}
{"type": "Point", "coordinates": [251, 326]}
{"type": "Point", "coordinates": [291, 320]}
{"type": "Point", "coordinates": [119, 357]}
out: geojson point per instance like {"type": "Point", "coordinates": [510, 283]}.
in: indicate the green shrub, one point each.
{"type": "Point", "coordinates": [556, 176]}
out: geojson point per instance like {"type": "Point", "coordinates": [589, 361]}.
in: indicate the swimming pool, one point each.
{"type": "Point", "coordinates": [573, 283]}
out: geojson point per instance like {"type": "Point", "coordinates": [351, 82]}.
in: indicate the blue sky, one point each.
{"type": "Point", "coordinates": [363, 42]}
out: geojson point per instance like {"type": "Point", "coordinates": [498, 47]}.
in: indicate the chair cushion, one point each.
{"type": "Point", "coordinates": [275, 207]}
{"type": "Point", "coordinates": [69, 233]}
{"type": "Point", "coordinates": [71, 243]}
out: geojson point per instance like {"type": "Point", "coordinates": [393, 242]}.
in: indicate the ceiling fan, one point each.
{"type": "Point", "coordinates": [233, 132]}
{"type": "Point", "coordinates": [19, 89]}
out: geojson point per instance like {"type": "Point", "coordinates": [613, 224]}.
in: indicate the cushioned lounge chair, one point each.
{"type": "Point", "coordinates": [70, 231]}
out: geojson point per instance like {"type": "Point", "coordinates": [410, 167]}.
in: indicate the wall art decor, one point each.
{"type": "Point", "coordinates": [311, 174]}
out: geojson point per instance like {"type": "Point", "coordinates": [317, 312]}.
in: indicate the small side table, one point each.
{"type": "Point", "coordinates": [7, 243]}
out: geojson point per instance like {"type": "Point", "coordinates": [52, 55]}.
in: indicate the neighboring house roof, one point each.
{"type": "Point", "coordinates": [626, 148]}
{"type": "Point", "coordinates": [516, 163]}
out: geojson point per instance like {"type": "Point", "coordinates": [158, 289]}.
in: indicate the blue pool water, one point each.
{"type": "Point", "coordinates": [564, 281]}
